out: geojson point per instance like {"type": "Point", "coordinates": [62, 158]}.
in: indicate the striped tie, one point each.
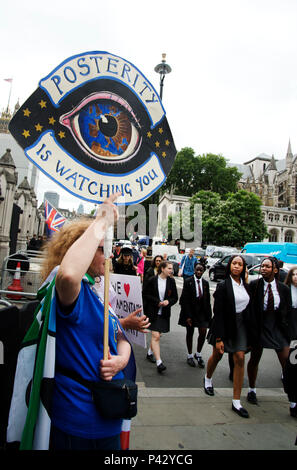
{"type": "Point", "coordinates": [199, 290]}
{"type": "Point", "coordinates": [270, 301]}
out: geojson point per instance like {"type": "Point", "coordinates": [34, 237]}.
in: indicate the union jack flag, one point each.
{"type": "Point", "coordinates": [53, 219]}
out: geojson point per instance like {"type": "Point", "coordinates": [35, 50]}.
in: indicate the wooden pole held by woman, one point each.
{"type": "Point", "coordinates": [107, 253]}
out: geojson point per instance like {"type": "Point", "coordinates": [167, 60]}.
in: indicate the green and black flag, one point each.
{"type": "Point", "coordinates": [29, 422]}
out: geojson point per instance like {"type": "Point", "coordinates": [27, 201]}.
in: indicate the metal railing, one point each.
{"type": "Point", "coordinates": [29, 274]}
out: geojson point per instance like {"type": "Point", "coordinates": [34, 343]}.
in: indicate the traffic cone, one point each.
{"type": "Point", "coordinates": [16, 284]}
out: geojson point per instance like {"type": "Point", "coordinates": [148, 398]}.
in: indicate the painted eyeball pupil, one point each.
{"type": "Point", "coordinates": [108, 126]}
{"type": "Point", "coordinates": [106, 129]}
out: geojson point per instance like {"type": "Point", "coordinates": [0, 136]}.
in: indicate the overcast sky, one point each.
{"type": "Point", "coordinates": [233, 86]}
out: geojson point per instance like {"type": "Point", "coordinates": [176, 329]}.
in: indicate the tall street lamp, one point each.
{"type": "Point", "coordinates": [162, 69]}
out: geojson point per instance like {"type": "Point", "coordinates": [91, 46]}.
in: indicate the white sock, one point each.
{"type": "Point", "coordinates": [159, 361]}
{"type": "Point", "coordinates": [197, 354]}
{"type": "Point", "coordinates": [292, 404]}
{"type": "Point", "coordinates": [190, 355]}
{"type": "Point", "coordinates": [208, 382]}
{"type": "Point", "coordinates": [252, 390]}
{"type": "Point", "coordinates": [150, 352]}
{"type": "Point", "coordinates": [236, 404]}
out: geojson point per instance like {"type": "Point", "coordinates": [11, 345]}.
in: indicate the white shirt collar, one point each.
{"type": "Point", "coordinates": [236, 283]}
{"type": "Point", "coordinates": [273, 283]}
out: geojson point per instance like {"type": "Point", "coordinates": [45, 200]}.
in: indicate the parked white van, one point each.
{"type": "Point", "coordinates": [218, 254]}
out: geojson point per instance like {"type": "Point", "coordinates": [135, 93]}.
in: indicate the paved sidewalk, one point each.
{"type": "Point", "coordinates": [188, 419]}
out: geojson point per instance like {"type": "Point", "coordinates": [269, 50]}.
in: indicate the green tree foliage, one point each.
{"type": "Point", "coordinates": [190, 174]}
{"type": "Point", "coordinates": [232, 219]}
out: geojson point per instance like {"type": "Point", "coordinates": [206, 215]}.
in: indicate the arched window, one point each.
{"type": "Point", "coordinates": [285, 219]}
{"type": "Point", "coordinates": [270, 217]}
{"type": "Point", "coordinates": [276, 217]}
{"type": "Point", "coordinates": [289, 236]}
{"type": "Point", "coordinates": [273, 236]}
{"type": "Point", "coordinates": [291, 219]}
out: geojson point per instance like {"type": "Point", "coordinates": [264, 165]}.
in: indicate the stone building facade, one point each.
{"type": "Point", "coordinates": [19, 216]}
{"type": "Point", "coordinates": [23, 165]}
{"type": "Point", "coordinates": [274, 181]}
{"type": "Point", "coordinates": [169, 204]}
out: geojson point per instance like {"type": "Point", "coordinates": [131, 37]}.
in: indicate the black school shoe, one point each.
{"type": "Point", "coordinates": [208, 390]}
{"type": "Point", "coordinates": [252, 398]}
{"type": "Point", "coordinates": [241, 412]}
{"type": "Point", "coordinates": [191, 362]}
{"type": "Point", "coordinates": [201, 362]}
{"type": "Point", "coordinates": [151, 358]}
{"type": "Point", "coordinates": [161, 368]}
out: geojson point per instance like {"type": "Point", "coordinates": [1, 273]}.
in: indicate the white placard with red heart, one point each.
{"type": "Point", "coordinates": [128, 298]}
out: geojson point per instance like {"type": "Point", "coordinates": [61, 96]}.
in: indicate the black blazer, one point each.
{"type": "Point", "coordinates": [188, 300]}
{"type": "Point", "coordinates": [151, 299]}
{"type": "Point", "coordinates": [224, 310]}
{"type": "Point", "coordinates": [257, 310]}
{"type": "Point", "coordinates": [148, 274]}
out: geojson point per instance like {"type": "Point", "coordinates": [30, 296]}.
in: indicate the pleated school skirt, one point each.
{"type": "Point", "coordinates": [272, 336]}
{"type": "Point", "coordinates": [239, 342]}
{"type": "Point", "coordinates": [161, 324]}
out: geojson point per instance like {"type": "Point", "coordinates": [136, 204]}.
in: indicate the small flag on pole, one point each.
{"type": "Point", "coordinates": [53, 219]}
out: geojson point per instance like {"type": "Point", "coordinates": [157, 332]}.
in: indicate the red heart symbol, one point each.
{"type": "Point", "coordinates": [127, 289]}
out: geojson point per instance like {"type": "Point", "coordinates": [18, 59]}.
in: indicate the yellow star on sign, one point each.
{"type": "Point", "coordinates": [51, 120]}
{"type": "Point", "coordinates": [157, 144]}
{"type": "Point", "coordinates": [163, 154]}
{"type": "Point", "coordinates": [167, 142]}
{"type": "Point", "coordinates": [26, 112]}
{"type": "Point", "coordinates": [42, 104]}
{"type": "Point", "coordinates": [160, 130]}
{"type": "Point", "coordinates": [38, 127]}
{"type": "Point", "coordinates": [149, 134]}
{"type": "Point", "coordinates": [26, 134]}
{"type": "Point", "coordinates": [61, 134]}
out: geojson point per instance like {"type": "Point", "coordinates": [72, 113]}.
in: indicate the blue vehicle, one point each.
{"type": "Point", "coordinates": [286, 252]}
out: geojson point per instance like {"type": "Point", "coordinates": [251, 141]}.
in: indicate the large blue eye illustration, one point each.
{"type": "Point", "coordinates": [105, 127]}
{"type": "Point", "coordinates": [96, 125]}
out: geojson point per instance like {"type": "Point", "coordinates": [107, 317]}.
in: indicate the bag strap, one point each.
{"type": "Point", "coordinates": [74, 376]}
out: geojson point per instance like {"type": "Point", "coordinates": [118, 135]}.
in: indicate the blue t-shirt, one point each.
{"type": "Point", "coordinates": [79, 347]}
{"type": "Point", "coordinates": [189, 265]}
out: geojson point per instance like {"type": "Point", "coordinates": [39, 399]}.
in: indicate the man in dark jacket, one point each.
{"type": "Point", "coordinates": [195, 312]}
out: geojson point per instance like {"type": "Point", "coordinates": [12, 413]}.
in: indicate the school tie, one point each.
{"type": "Point", "coordinates": [270, 301]}
{"type": "Point", "coordinates": [199, 290]}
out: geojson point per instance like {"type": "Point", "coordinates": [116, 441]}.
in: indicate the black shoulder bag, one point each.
{"type": "Point", "coordinates": [116, 399]}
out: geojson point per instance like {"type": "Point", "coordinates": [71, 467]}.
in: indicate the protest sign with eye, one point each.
{"type": "Point", "coordinates": [96, 126]}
